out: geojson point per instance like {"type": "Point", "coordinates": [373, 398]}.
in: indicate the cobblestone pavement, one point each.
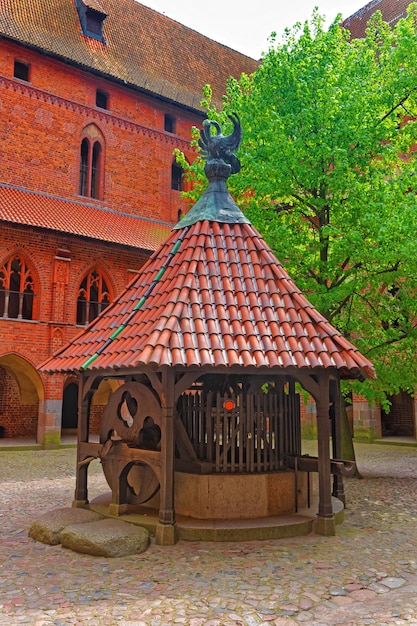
{"type": "Point", "coordinates": [367, 574]}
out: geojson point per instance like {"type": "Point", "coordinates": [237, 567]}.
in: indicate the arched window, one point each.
{"type": "Point", "coordinates": [93, 297]}
{"type": "Point", "coordinates": [16, 290]}
{"type": "Point", "coordinates": [91, 163]}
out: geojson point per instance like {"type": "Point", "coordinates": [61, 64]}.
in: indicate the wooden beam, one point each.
{"type": "Point", "coordinates": [155, 381]}
{"type": "Point", "coordinates": [308, 383]}
{"type": "Point", "coordinates": [185, 383]}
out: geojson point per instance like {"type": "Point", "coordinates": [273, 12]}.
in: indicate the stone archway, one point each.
{"type": "Point", "coordinates": [21, 391]}
{"type": "Point", "coordinates": [70, 408]}
{"type": "Point", "coordinates": [69, 422]}
{"type": "Point", "coordinates": [99, 401]}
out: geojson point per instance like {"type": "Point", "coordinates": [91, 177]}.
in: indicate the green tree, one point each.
{"type": "Point", "coordinates": [328, 178]}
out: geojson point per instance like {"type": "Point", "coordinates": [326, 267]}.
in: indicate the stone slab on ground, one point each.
{"type": "Point", "coordinates": [107, 537]}
{"type": "Point", "coordinates": [47, 528]}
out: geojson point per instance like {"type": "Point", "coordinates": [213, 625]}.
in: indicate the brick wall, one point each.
{"type": "Point", "coordinates": [42, 122]}
{"type": "Point", "coordinates": [96, 413]}
{"type": "Point", "coordinates": [34, 338]}
{"type": "Point", "coordinates": [399, 420]}
{"type": "Point", "coordinates": [41, 125]}
{"type": "Point", "coordinates": [55, 310]}
{"type": "Point", "coordinates": [17, 419]}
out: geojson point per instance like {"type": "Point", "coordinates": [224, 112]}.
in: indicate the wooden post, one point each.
{"type": "Point", "coordinates": [166, 531]}
{"type": "Point", "coordinates": [335, 397]}
{"type": "Point", "coordinates": [81, 490]}
{"type": "Point", "coordinates": [325, 522]}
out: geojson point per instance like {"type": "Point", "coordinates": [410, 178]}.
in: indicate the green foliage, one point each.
{"type": "Point", "coordinates": [328, 178]}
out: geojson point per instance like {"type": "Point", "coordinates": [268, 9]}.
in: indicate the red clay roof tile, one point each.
{"type": "Point", "coordinates": [20, 206]}
{"type": "Point", "coordinates": [200, 312]}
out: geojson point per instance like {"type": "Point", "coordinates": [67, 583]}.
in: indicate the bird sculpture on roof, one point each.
{"type": "Point", "coordinates": [219, 147]}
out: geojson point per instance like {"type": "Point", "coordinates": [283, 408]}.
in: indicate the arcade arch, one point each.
{"type": "Point", "coordinates": [21, 394]}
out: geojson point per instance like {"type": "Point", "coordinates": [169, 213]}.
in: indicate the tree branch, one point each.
{"type": "Point", "coordinates": [388, 342]}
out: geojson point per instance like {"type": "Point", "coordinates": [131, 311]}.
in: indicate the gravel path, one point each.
{"type": "Point", "coordinates": [367, 574]}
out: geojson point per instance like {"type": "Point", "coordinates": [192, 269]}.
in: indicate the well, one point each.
{"type": "Point", "coordinates": [207, 348]}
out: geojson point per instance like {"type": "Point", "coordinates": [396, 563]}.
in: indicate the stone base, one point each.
{"type": "Point", "coordinates": [240, 496]}
{"type": "Point", "coordinates": [189, 529]}
{"type": "Point", "coordinates": [81, 504]}
{"type": "Point", "coordinates": [118, 509]}
{"type": "Point", "coordinates": [108, 538]}
{"type": "Point", "coordinates": [48, 527]}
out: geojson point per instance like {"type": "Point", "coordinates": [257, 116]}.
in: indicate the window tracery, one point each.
{"type": "Point", "coordinates": [93, 297]}
{"type": "Point", "coordinates": [91, 164]}
{"type": "Point", "coordinates": [16, 289]}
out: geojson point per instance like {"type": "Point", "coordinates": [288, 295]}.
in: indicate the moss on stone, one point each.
{"type": "Point", "coordinates": [51, 439]}
{"type": "Point", "coordinates": [364, 435]}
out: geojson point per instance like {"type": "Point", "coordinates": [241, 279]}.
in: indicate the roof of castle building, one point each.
{"type": "Point", "coordinates": [392, 11]}
{"type": "Point", "coordinates": [40, 210]}
{"type": "Point", "coordinates": [140, 47]}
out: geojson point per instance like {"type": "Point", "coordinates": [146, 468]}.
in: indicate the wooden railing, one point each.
{"type": "Point", "coordinates": [253, 432]}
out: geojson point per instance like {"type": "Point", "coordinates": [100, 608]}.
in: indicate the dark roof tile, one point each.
{"type": "Point", "coordinates": [392, 11]}
{"type": "Point", "coordinates": [142, 48]}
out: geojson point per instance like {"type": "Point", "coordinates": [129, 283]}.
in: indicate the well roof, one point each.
{"type": "Point", "coordinates": [142, 48]}
{"type": "Point", "coordinates": [213, 295]}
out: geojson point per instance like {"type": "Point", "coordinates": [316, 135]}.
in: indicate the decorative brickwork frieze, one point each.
{"type": "Point", "coordinates": [99, 115]}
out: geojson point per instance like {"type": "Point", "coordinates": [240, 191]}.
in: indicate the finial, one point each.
{"type": "Point", "coordinates": [216, 204]}
{"type": "Point", "coordinates": [218, 149]}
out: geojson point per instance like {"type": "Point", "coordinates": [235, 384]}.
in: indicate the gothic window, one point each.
{"type": "Point", "coordinates": [91, 168]}
{"type": "Point", "coordinates": [93, 297]}
{"type": "Point", "coordinates": [95, 170]}
{"type": "Point", "coordinates": [16, 290]}
{"type": "Point", "coordinates": [85, 148]}
{"type": "Point", "coordinates": [176, 177]}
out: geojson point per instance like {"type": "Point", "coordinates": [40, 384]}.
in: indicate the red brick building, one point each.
{"type": "Point", "coordinates": [391, 10]}
{"type": "Point", "coordinates": [94, 98]}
